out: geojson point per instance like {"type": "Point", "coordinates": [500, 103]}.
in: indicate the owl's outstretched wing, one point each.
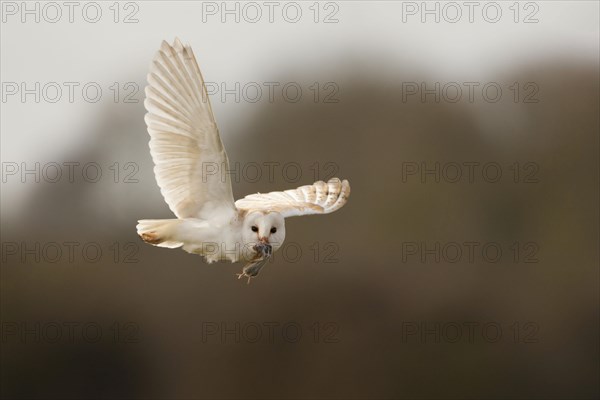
{"type": "Point", "coordinates": [184, 141]}
{"type": "Point", "coordinates": [318, 198]}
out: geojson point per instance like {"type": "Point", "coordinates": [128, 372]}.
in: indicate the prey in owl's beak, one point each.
{"type": "Point", "coordinates": [263, 251]}
{"type": "Point", "coordinates": [263, 248]}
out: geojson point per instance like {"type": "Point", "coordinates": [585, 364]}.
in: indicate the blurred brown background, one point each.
{"type": "Point", "coordinates": [369, 296]}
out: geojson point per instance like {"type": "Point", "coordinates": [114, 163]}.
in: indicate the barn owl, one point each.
{"type": "Point", "coordinates": [183, 140]}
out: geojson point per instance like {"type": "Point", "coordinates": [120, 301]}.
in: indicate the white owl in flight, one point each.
{"type": "Point", "coordinates": [184, 139]}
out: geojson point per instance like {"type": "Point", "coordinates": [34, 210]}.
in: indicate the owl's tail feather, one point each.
{"type": "Point", "coordinates": [159, 232]}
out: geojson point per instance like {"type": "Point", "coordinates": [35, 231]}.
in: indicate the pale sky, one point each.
{"type": "Point", "coordinates": [371, 34]}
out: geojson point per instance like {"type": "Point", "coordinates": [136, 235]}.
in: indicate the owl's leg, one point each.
{"type": "Point", "coordinates": [159, 232]}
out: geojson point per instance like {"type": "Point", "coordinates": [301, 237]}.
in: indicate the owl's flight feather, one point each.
{"type": "Point", "coordinates": [318, 198]}
{"type": "Point", "coordinates": [184, 135]}
{"type": "Point", "coordinates": [184, 139]}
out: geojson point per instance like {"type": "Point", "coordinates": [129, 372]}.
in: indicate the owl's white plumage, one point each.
{"type": "Point", "coordinates": [184, 139]}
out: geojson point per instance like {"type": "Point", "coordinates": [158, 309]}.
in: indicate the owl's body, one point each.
{"type": "Point", "coordinates": [221, 238]}
{"type": "Point", "coordinates": [214, 239]}
{"type": "Point", "coordinates": [184, 140]}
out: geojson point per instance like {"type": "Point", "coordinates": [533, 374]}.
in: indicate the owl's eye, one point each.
{"type": "Point", "coordinates": [273, 230]}
{"type": "Point", "coordinates": [254, 229]}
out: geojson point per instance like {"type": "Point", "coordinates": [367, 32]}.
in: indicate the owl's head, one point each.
{"type": "Point", "coordinates": [263, 229]}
